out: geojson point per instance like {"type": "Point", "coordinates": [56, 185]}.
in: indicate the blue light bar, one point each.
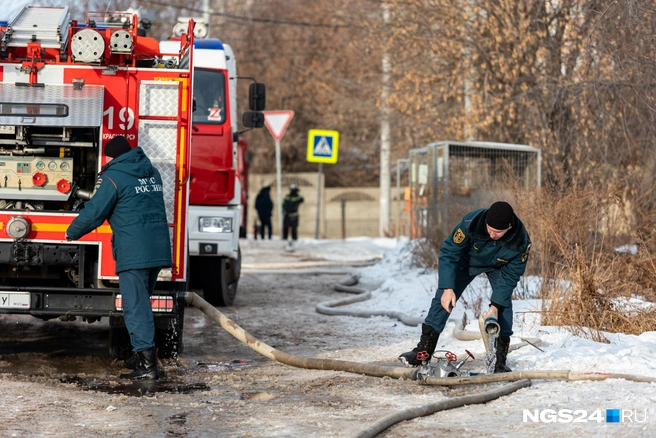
{"type": "Point", "coordinates": [211, 43]}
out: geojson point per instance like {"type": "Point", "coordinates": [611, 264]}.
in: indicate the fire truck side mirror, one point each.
{"type": "Point", "coordinates": [257, 96]}
{"type": "Point", "coordinates": [253, 119]}
{"type": "Point", "coordinates": [193, 105]}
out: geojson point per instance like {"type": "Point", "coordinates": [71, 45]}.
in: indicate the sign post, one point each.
{"type": "Point", "coordinates": [277, 123]}
{"type": "Point", "coordinates": [322, 148]}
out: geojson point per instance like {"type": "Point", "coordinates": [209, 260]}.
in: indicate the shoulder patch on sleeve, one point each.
{"type": "Point", "coordinates": [526, 254]}
{"type": "Point", "coordinates": [97, 186]}
{"type": "Point", "coordinates": [458, 236]}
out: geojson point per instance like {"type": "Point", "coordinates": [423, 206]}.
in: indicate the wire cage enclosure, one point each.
{"type": "Point", "coordinates": [448, 179]}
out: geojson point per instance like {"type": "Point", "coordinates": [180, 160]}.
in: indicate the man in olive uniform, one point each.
{"type": "Point", "coordinates": [290, 213]}
{"type": "Point", "coordinates": [129, 195]}
{"type": "Point", "coordinates": [492, 241]}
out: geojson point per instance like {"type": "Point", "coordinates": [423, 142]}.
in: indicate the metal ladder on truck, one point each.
{"type": "Point", "coordinates": [43, 24]}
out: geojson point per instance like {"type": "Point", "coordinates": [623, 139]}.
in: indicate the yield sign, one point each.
{"type": "Point", "coordinates": [277, 122]}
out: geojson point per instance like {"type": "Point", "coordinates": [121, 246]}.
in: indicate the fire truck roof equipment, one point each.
{"type": "Point", "coordinates": [48, 25]}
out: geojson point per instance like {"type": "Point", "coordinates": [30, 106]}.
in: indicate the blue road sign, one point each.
{"type": "Point", "coordinates": [322, 146]}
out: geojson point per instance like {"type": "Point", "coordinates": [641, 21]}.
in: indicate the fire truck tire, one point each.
{"type": "Point", "coordinates": [119, 339]}
{"type": "Point", "coordinates": [168, 337]}
{"type": "Point", "coordinates": [220, 277]}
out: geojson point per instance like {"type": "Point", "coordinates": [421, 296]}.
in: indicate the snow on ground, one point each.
{"type": "Point", "coordinates": [399, 286]}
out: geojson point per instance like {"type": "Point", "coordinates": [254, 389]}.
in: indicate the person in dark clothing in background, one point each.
{"type": "Point", "coordinates": [264, 207]}
{"type": "Point", "coordinates": [290, 213]}
{"type": "Point", "coordinates": [128, 193]}
{"type": "Point", "coordinates": [492, 241]}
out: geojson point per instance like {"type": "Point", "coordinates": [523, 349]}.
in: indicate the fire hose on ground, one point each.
{"type": "Point", "coordinates": [442, 405]}
{"type": "Point", "coordinates": [328, 307]}
{"type": "Point", "coordinates": [266, 350]}
{"type": "Point", "coordinates": [382, 370]}
{"type": "Point", "coordinates": [361, 294]}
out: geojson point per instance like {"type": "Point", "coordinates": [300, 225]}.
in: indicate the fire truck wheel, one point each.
{"type": "Point", "coordinates": [219, 278]}
{"type": "Point", "coordinates": [168, 335]}
{"type": "Point", "coordinates": [119, 339]}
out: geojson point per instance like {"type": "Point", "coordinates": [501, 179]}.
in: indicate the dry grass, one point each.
{"type": "Point", "coordinates": [426, 250]}
{"type": "Point", "coordinates": [575, 233]}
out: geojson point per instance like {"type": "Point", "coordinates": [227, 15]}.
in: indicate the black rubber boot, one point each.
{"type": "Point", "coordinates": [502, 344]}
{"type": "Point", "coordinates": [133, 362]}
{"type": "Point", "coordinates": [424, 349]}
{"type": "Point", "coordinates": [147, 369]}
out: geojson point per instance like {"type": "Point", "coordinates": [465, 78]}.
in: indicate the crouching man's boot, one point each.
{"type": "Point", "coordinates": [424, 349]}
{"type": "Point", "coordinates": [146, 369]}
{"type": "Point", "coordinates": [502, 344]}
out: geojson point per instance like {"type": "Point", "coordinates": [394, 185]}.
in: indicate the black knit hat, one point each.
{"type": "Point", "coordinates": [500, 216]}
{"type": "Point", "coordinates": [117, 146]}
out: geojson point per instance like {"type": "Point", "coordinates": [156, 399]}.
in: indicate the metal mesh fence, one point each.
{"type": "Point", "coordinates": [449, 179]}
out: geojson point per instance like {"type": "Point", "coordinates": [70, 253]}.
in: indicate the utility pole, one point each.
{"type": "Point", "coordinates": [385, 141]}
{"type": "Point", "coordinates": [470, 130]}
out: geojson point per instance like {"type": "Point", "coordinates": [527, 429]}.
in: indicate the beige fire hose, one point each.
{"type": "Point", "coordinates": [442, 405]}
{"type": "Point", "coordinates": [401, 372]}
{"type": "Point", "coordinates": [328, 307]}
{"type": "Point", "coordinates": [361, 294]}
{"type": "Point", "coordinates": [381, 370]}
{"type": "Point", "coordinates": [461, 334]}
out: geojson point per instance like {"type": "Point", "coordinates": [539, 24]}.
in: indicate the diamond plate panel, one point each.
{"type": "Point", "coordinates": [158, 139]}
{"type": "Point", "coordinates": [121, 42]}
{"type": "Point", "coordinates": [87, 46]}
{"type": "Point", "coordinates": [159, 98]}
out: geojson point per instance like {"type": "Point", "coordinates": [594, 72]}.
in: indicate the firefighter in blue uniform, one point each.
{"type": "Point", "coordinates": [128, 193]}
{"type": "Point", "coordinates": [492, 241]}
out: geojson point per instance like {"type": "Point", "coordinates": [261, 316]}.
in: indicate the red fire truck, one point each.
{"type": "Point", "coordinates": [66, 88]}
{"type": "Point", "coordinates": [219, 167]}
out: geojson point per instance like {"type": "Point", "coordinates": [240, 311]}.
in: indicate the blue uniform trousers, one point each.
{"type": "Point", "coordinates": [437, 316]}
{"type": "Point", "coordinates": [137, 286]}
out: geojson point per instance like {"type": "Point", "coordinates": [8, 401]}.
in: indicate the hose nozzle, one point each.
{"type": "Point", "coordinates": [492, 327]}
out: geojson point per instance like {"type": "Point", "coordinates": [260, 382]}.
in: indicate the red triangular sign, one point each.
{"type": "Point", "coordinates": [277, 122]}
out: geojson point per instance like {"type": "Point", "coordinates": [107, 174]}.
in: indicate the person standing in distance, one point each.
{"type": "Point", "coordinates": [264, 207]}
{"type": "Point", "coordinates": [492, 241]}
{"type": "Point", "coordinates": [290, 213]}
{"type": "Point", "coordinates": [128, 194]}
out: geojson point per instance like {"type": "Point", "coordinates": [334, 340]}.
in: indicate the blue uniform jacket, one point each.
{"type": "Point", "coordinates": [129, 195]}
{"type": "Point", "coordinates": [470, 248]}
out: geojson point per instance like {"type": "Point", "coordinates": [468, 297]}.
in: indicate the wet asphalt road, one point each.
{"type": "Point", "coordinates": [270, 306]}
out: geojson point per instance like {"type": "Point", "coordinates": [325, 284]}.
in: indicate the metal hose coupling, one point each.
{"type": "Point", "coordinates": [447, 366]}
{"type": "Point", "coordinates": [492, 327]}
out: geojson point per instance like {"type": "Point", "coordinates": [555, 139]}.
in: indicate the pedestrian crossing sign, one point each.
{"type": "Point", "coordinates": [322, 146]}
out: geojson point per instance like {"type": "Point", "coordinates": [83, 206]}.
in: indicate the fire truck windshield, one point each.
{"type": "Point", "coordinates": [209, 92]}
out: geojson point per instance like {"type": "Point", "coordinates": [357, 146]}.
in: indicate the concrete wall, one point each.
{"type": "Point", "coordinates": [361, 207]}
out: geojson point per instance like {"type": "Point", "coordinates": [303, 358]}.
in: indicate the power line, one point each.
{"type": "Point", "coordinates": [244, 18]}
